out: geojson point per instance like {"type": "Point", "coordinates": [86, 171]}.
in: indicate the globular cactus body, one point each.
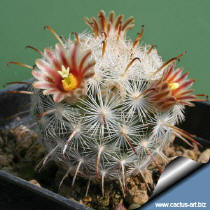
{"type": "Point", "coordinates": [106, 106]}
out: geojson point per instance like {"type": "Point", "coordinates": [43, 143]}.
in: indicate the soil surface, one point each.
{"type": "Point", "coordinates": [21, 155]}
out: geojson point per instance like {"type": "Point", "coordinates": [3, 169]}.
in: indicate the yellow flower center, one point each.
{"type": "Point", "coordinates": [69, 81]}
{"type": "Point", "coordinates": [173, 85]}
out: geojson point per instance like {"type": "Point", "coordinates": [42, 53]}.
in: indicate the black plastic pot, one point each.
{"type": "Point", "coordinates": [18, 194]}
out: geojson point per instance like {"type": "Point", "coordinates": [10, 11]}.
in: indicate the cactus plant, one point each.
{"type": "Point", "coordinates": [106, 106]}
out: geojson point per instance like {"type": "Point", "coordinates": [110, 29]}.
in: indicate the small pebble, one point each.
{"type": "Point", "coordinates": [179, 153]}
{"type": "Point", "coordinates": [169, 152]}
{"type": "Point", "coordinates": [33, 181]}
{"type": "Point", "coordinates": [191, 154]}
{"type": "Point", "coordinates": [87, 199]}
{"type": "Point", "coordinates": [140, 197]}
{"type": "Point", "coordinates": [134, 206]}
{"type": "Point", "coordinates": [204, 157]}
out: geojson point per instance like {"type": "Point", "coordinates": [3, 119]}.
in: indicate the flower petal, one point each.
{"type": "Point", "coordinates": [42, 85]}
{"type": "Point", "coordinates": [43, 66]}
{"type": "Point", "coordinates": [58, 97]}
{"type": "Point", "coordinates": [51, 57]}
{"type": "Point", "coordinates": [62, 55]}
{"type": "Point", "coordinates": [39, 75]}
{"type": "Point", "coordinates": [50, 91]}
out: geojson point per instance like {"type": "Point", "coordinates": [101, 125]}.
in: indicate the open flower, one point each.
{"type": "Point", "coordinates": [63, 72]}
{"type": "Point", "coordinates": [171, 89]}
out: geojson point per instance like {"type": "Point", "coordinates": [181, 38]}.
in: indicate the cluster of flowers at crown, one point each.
{"type": "Point", "coordinates": [106, 106]}
{"type": "Point", "coordinates": [64, 71]}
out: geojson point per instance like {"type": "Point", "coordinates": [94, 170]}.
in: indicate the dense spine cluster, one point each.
{"type": "Point", "coordinates": [106, 106]}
